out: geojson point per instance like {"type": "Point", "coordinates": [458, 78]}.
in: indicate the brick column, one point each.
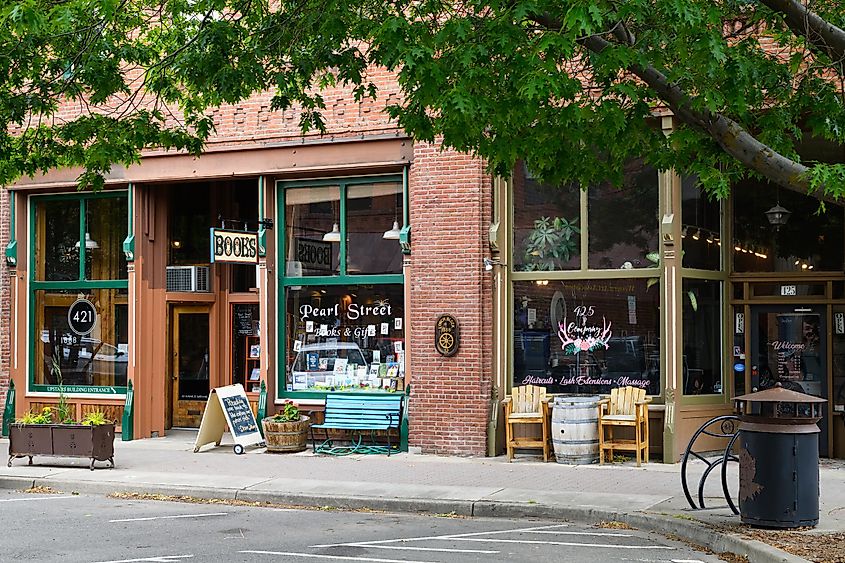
{"type": "Point", "coordinates": [450, 203]}
{"type": "Point", "coordinates": [5, 297]}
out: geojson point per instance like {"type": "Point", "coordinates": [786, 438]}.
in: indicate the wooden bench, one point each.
{"type": "Point", "coordinates": [358, 414]}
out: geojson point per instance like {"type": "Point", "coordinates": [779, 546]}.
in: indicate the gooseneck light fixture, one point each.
{"type": "Point", "coordinates": [392, 234]}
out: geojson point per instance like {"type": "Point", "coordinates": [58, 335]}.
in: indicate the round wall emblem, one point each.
{"type": "Point", "coordinates": [81, 317]}
{"type": "Point", "coordinates": [446, 335]}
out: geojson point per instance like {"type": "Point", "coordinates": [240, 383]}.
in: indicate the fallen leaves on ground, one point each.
{"type": "Point", "coordinates": [613, 525]}
{"type": "Point", "coordinates": [228, 502]}
{"type": "Point", "coordinates": [41, 490]}
{"type": "Point", "coordinates": [821, 548]}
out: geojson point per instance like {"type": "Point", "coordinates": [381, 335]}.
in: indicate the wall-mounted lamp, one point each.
{"type": "Point", "coordinates": [490, 262]}
{"type": "Point", "coordinates": [393, 233]}
{"type": "Point", "coordinates": [12, 254]}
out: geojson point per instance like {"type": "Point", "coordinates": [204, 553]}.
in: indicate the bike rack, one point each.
{"type": "Point", "coordinates": [727, 427]}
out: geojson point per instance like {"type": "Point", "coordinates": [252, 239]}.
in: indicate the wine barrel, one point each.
{"type": "Point", "coordinates": [575, 430]}
{"type": "Point", "coordinates": [286, 436]}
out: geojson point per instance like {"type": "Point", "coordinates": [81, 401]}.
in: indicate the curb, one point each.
{"type": "Point", "coordinates": [693, 531]}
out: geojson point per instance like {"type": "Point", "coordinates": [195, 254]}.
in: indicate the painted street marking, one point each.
{"type": "Point", "coordinates": [450, 536]}
{"type": "Point", "coordinates": [160, 559]}
{"type": "Point", "coordinates": [148, 518]}
{"type": "Point", "coordinates": [568, 533]}
{"type": "Point", "coordinates": [569, 544]}
{"type": "Point", "coordinates": [409, 548]}
{"type": "Point", "coordinates": [687, 561]}
{"type": "Point", "coordinates": [36, 498]}
{"type": "Point", "coordinates": [343, 557]}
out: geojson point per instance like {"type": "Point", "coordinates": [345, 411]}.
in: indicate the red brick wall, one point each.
{"type": "Point", "coordinates": [450, 212]}
{"type": "Point", "coordinates": [5, 312]}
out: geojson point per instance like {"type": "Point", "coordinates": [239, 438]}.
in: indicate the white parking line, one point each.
{"type": "Point", "coordinates": [568, 533]}
{"type": "Point", "coordinates": [148, 518]}
{"type": "Point", "coordinates": [160, 559]}
{"type": "Point", "coordinates": [409, 548]}
{"type": "Point", "coordinates": [424, 538]}
{"type": "Point", "coordinates": [570, 544]}
{"type": "Point", "coordinates": [37, 498]}
{"type": "Point", "coordinates": [343, 557]}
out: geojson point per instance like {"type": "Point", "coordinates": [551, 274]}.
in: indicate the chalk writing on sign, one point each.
{"type": "Point", "coordinates": [240, 415]}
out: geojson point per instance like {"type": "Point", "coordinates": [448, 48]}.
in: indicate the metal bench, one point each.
{"type": "Point", "coordinates": [358, 414]}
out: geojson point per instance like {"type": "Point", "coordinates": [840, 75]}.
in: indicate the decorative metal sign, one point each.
{"type": "Point", "coordinates": [446, 335]}
{"type": "Point", "coordinates": [239, 247]}
{"type": "Point", "coordinates": [81, 317]}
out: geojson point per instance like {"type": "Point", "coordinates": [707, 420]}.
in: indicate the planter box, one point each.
{"type": "Point", "coordinates": [65, 440]}
{"type": "Point", "coordinates": [286, 436]}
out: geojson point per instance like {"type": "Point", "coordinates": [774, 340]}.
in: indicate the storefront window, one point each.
{"type": "Point", "coordinates": [345, 338]}
{"type": "Point", "coordinates": [80, 330]}
{"type": "Point", "coordinates": [586, 336]}
{"type": "Point", "coordinates": [246, 346]}
{"type": "Point", "coordinates": [312, 231]}
{"type": "Point", "coordinates": [190, 219]}
{"type": "Point", "coordinates": [810, 240]}
{"type": "Point", "coordinates": [373, 211]}
{"type": "Point", "coordinates": [702, 337]}
{"type": "Point", "coordinates": [547, 227]}
{"type": "Point", "coordinates": [701, 227]}
{"type": "Point", "coordinates": [57, 240]}
{"type": "Point", "coordinates": [98, 358]}
{"type": "Point", "coordinates": [624, 220]}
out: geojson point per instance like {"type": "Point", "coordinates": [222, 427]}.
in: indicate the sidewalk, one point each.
{"type": "Point", "coordinates": [649, 497]}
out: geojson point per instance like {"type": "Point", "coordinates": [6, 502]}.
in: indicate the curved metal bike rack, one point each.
{"type": "Point", "coordinates": [727, 428]}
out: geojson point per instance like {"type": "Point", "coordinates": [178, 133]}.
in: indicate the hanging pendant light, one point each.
{"type": "Point", "coordinates": [778, 216]}
{"type": "Point", "coordinates": [392, 234]}
{"type": "Point", "coordinates": [90, 244]}
{"type": "Point", "coordinates": [333, 235]}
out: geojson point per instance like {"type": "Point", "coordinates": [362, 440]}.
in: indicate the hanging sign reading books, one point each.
{"type": "Point", "coordinates": [238, 247]}
{"type": "Point", "coordinates": [228, 406]}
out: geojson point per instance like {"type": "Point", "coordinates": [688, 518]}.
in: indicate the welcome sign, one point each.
{"type": "Point", "coordinates": [237, 247]}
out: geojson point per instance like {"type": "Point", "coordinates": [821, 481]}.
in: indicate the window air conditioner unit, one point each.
{"type": "Point", "coordinates": [188, 278]}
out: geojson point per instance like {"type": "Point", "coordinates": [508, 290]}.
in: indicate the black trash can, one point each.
{"type": "Point", "coordinates": [779, 458]}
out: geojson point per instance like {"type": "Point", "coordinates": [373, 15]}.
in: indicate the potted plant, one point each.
{"type": "Point", "coordinates": [54, 432]}
{"type": "Point", "coordinates": [287, 431]}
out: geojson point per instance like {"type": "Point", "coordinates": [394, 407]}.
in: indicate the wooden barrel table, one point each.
{"type": "Point", "coordinates": [575, 434]}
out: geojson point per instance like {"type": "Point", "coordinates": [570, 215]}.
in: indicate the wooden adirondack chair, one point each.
{"type": "Point", "coordinates": [527, 405]}
{"type": "Point", "coordinates": [626, 407]}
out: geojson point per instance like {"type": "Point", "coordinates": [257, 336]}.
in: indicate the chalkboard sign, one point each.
{"type": "Point", "coordinates": [243, 320]}
{"type": "Point", "coordinates": [228, 406]}
{"type": "Point", "coordinates": [241, 419]}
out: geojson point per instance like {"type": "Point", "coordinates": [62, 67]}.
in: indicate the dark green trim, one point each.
{"type": "Point", "coordinates": [12, 246]}
{"type": "Point", "coordinates": [93, 284]}
{"type": "Point", "coordinates": [83, 228]}
{"type": "Point", "coordinates": [322, 394]}
{"type": "Point", "coordinates": [68, 389]}
{"type": "Point", "coordinates": [334, 280]}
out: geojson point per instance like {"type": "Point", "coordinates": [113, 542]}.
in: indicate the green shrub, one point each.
{"type": "Point", "coordinates": [290, 413]}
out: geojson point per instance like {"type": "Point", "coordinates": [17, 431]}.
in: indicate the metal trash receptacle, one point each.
{"type": "Point", "coordinates": [779, 458]}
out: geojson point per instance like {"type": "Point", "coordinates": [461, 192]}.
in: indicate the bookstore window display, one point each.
{"type": "Point", "coordinates": [246, 346]}
{"type": "Point", "coordinates": [345, 338]}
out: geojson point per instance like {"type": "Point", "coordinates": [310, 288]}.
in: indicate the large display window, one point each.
{"type": "Point", "coordinates": [586, 336]}
{"type": "Point", "coordinates": [79, 310]}
{"type": "Point", "coordinates": [342, 283]}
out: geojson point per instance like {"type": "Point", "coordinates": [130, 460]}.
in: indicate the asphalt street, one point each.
{"type": "Point", "coordinates": [96, 529]}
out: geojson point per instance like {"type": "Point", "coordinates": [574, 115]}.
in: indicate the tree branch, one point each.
{"type": "Point", "coordinates": [803, 22]}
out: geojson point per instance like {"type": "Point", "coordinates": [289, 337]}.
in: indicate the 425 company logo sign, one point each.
{"type": "Point", "coordinates": [239, 247]}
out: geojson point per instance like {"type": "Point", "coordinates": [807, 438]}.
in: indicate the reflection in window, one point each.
{"type": "Point", "coordinates": [809, 241]}
{"type": "Point", "coordinates": [312, 231]}
{"type": "Point", "coordinates": [586, 336]}
{"type": "Point", "coordinates": [57, 240]}
{"type": "Point", "coordinates": [190, 219]}
{"type": "Point", "coordinates": [97, 358]}
{"type": "Point", "coordinates": [105, 220]}
{"type": "Point", "coordinates": [345, 338]}
{"type": "Point", "coordinates": [624, 221]}
{"type": "Point", "coordinates": [701, 227]}
{"type": "Point", "coordinates": [547, 230]}
{"type": "Point", "coordinates": [702, 337]}
{"type": "Point", "coordinates": [373, 211]}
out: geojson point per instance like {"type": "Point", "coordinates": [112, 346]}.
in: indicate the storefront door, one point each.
{"type": "Point", "coordinates": [189, 365]}
{"type": "Point", "coordinates": [789, 345]}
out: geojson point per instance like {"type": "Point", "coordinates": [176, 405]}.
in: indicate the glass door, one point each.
{"type": "Point", "coordinates": [189, 367]}
{"type": "Point", "coordinates": [789, 346]}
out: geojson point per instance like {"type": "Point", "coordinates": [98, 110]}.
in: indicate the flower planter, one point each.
{"type": "Point", "coordinates": [286, 436]}
{"type": "Point", "coordinates": [65, 440]}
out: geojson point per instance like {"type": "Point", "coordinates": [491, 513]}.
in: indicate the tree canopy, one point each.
{"type": "Point", "coordinates": [570, 87]}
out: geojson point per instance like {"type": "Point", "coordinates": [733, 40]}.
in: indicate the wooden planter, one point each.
{"type": "Point", "coordinates": [286, 436]}
{"type": "Point", "coordinates": [66, 440]}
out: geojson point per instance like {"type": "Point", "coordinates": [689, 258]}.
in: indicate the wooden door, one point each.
{"type": "Point", "coordinates": [189, 369]}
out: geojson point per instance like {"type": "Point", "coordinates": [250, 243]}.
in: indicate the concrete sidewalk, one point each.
{"type": "Point", "coordinates": [649, 497]}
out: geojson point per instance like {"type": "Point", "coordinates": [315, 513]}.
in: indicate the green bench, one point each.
{"type": "Point", "coordinates": [359, 414]}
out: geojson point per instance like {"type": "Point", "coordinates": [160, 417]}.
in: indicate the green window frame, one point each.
{"type": "Point", "coordinates": [79, 284]}
{"type": "Point", "coordinates": [343, 278]}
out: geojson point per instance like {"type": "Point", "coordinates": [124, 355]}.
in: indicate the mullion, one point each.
{"type": "Point", "coordinates": [82, 231]}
